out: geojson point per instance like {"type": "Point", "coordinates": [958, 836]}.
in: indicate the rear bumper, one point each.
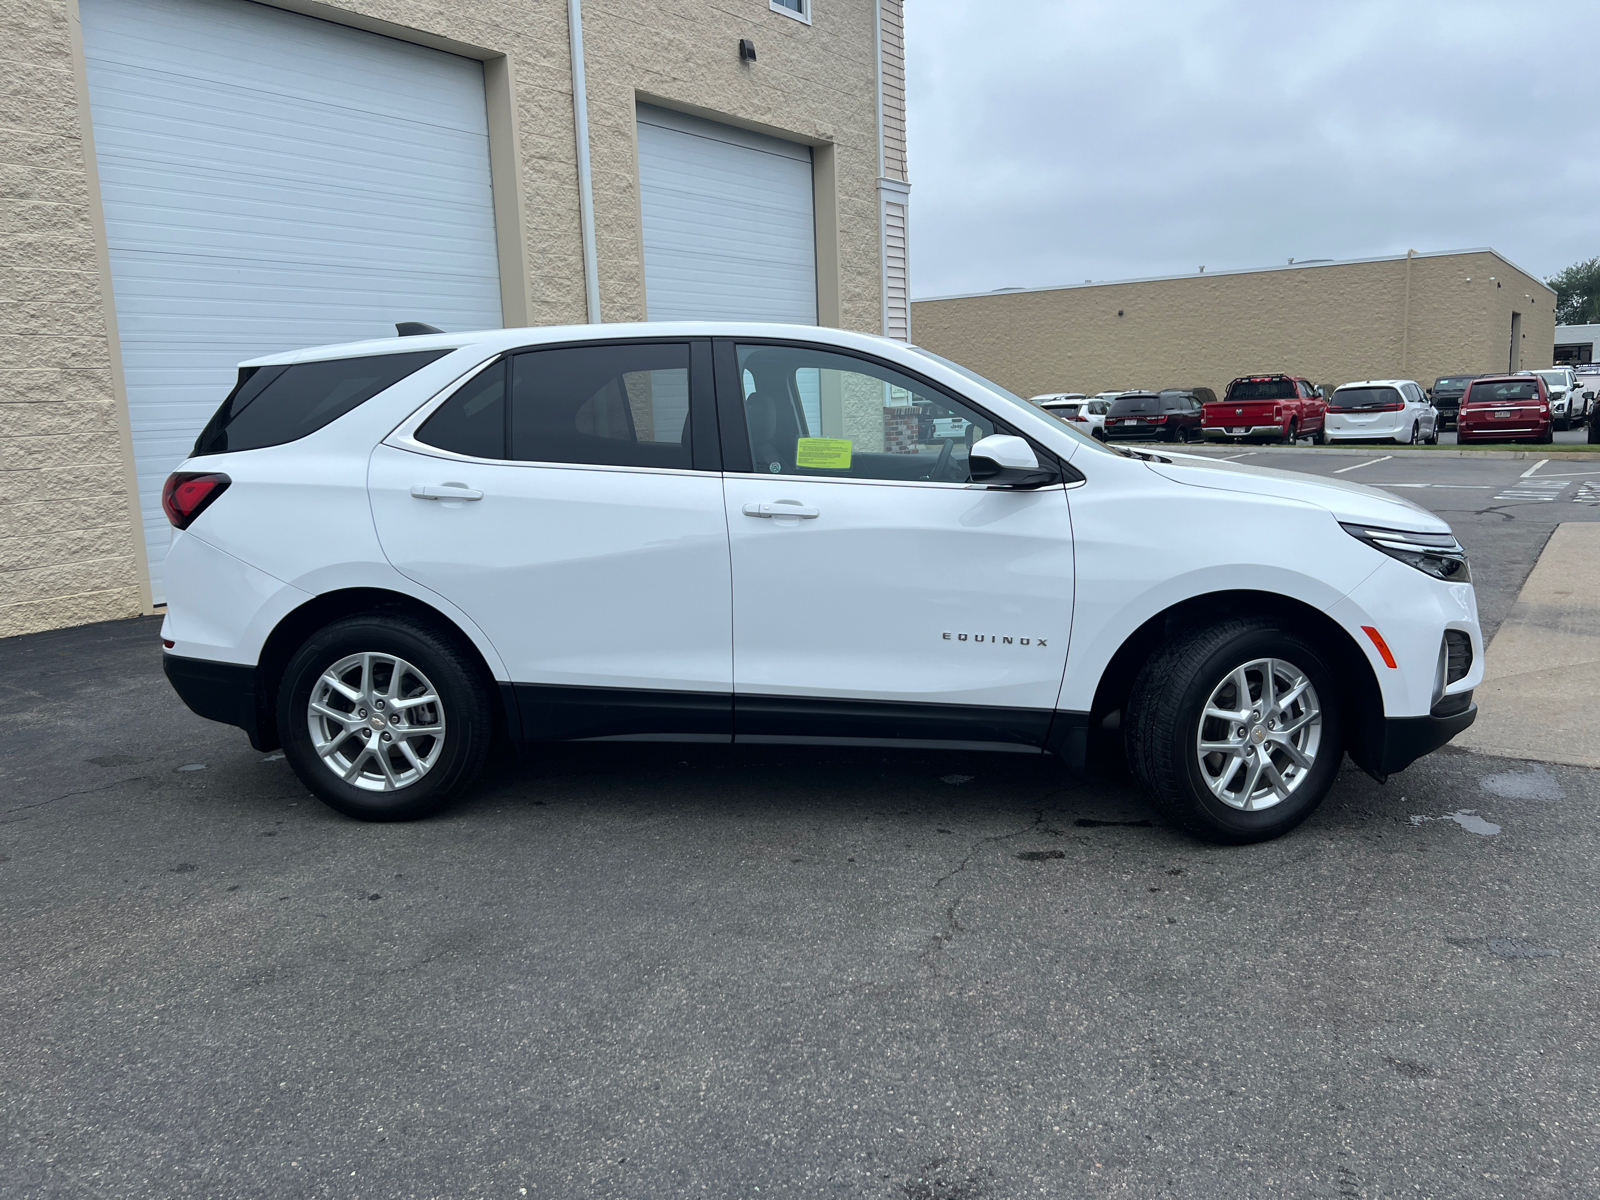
{"type": "Point", "coordinates": [1140, 433]}
{"type": "Point", "coordinates": [1219, 432]}
{"type": "Point", "coordinates": [1406, 739]}
{"type": "Point", "coordinates": [218, 691]}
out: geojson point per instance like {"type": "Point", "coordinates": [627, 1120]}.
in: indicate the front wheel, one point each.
{"type": "Point", "coordinates": [383, 718]}
{"type": "Point", "coordinates": [1233, 729]}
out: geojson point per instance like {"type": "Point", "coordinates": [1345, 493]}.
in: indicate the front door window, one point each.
{"type": "Point", "coordinates": [811, 412]}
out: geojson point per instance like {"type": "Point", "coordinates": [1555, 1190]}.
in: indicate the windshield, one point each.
{"type": "Point", "coordinates": [1135, 404]}
{"type": "Point", "coordinates": [1502, 393]}
{"type": "Point", "coordinates": [1349, 399]}
{"type": "Point", "coordinates": [1553, 378]}
{"type": "Point", "coordinates": [1000, 391]}
{"type": "Point", "coordinates": [1452, 383]}
{"type": "Point", "coordinates": [1261, 389]}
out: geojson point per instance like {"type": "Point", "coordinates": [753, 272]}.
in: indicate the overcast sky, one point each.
{"type": "Point", "coordinates": [1054, 141]}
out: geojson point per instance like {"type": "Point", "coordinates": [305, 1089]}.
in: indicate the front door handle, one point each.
{"type": "Point", "coordinates": [445, 491]}
{"type": "Point", "coordinates": [780, 509]}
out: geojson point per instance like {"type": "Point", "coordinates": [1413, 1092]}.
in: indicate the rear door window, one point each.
{"type": "Point", "coordinates": [473, 421]}
{"type": "Point", "coordinates": [272, 406]}
{"type": "Point", "coordinates": [622, 405]}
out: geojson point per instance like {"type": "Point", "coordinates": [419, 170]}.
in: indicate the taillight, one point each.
{"type": "Point", "coordinates": [188, 494]}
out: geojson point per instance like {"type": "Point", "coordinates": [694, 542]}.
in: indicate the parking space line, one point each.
{"type": "Point", "coordinates": [1368, 463]}
{"type": "Point", "coordinates": [1534, 468]}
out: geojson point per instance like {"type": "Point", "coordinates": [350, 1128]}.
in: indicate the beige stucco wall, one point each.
{"type": "Point", "coordinates": [1330, 323]}
{"type": "Point", "coordinates": [68, 523]}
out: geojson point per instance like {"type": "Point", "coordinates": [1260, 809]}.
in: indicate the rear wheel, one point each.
{"type": "Point", "coordinates": [1320, 438]}
{"type": "Point", "coordinates": [1291, 433]}
{"type": "Point", "coordinates": [1183, 434]}
{"type": "Point", "coordinates": [1233, 729]}
{"type": "Point", "coordinates": [383, 718]}
{"type": "Point", "coordinates": [1549, 436]}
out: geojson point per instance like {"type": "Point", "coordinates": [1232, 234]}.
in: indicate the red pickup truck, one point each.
{"type": "Point", "coordinates": [1282, 407]}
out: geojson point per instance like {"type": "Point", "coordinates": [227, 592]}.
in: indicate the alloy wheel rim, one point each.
{"type": "Point", "coordinates": [1258, 734]}
{"type": "Point", "coordinates": [376, 722]}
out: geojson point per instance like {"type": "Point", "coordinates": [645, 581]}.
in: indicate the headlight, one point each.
{"type": "Point", "coordinates": [1436, 554]}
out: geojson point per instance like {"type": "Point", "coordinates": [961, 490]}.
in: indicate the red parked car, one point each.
{"type": "Point", "coordinates": [1282, 407]}
{"type": "Point", "coordinates": [1505, 408]}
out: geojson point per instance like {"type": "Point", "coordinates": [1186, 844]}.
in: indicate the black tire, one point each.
{"type": "Point", "coordinates": [1547, 438]}
{"type": "Point", "coordinates": [464, 704]}
{"type": "Point", "coordinates": [1163, 722]}
{"type": "Point", "coordinates": [1183, 434]}
{"type": "Point", "coordinates": [1321, 438]}
{"type": "Point", "coordinates": [1594, 432]}
{"type": "Point", "coordinates": [1291, 433]}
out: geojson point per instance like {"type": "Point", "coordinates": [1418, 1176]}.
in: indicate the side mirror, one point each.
{"type": "Point", "coordinates": [1002, 460]}
{"type": "Point", "coordinates": [1588, 395]}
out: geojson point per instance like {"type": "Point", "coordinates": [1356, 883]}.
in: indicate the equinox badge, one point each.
{"type": "Point", "coordinates": [989, 637]}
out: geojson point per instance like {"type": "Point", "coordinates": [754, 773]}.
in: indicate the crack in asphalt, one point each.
{"type": "Point", "coordinates": [69, 795]}
{"type": "Point", "coordinates": [972, 850]}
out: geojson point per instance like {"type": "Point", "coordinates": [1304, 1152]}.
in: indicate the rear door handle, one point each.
{"type": "Point", "coordinates": [445, 491]}
{"type": "Point", "coordinates": [780, 510]}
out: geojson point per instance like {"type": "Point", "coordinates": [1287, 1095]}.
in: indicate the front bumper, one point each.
{"type": "Point", "coordinates": [1406, 739]}
{"type": "Point", "coordinates": [218, 691]}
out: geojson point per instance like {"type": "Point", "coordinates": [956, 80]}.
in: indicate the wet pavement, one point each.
{"type": "Point", "coordinates": [666, 971]}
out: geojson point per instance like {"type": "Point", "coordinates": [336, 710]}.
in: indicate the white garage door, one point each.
{"type": "Point", "coordinates": [728, 227]}
{"type": "Point", "coordinates": [272, 181]}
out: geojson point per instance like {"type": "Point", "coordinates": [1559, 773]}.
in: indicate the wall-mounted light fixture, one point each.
{"type": "Point", "coordinates": [747, 50]}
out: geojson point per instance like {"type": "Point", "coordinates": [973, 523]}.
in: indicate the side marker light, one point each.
{"type": "Point", "coordinates": [1383, 646]}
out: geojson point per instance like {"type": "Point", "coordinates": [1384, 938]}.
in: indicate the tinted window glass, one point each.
{"type": "Point", "coordinates": [1501, 393]}
{"type": "Point", "coordinates": [622, 406]}
{"type": "Point", "coordinates": [1124, 405]}
{"type": "Point", "coordinates": [1352, 399]}
{"type": "Point", "coordinates": [810, 412]}
{"type": "Point", "coordinates": [1261, 389]}
{"type": "Point", "coordinates": [271, 406]}
{"type": "Point", "coordinates": [473, 421]}
{"type": "Point", "coordinates": [1451, 383]}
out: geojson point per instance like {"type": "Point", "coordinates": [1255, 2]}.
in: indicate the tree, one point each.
{"type": "Point", "coordinates": [1578, 293]}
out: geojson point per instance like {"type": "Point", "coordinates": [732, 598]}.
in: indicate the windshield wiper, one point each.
{"type": "Point", "coordinates": [1145, 455]}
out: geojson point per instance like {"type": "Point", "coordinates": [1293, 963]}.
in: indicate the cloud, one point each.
{"type": "Point", "coordinates": [1057, 142]}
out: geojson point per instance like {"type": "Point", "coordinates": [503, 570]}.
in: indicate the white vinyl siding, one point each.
{"type": "Point", "coordinates": [729, 231]}
{"type": "Point", "coordinates": [897, 303]}
{"type": "Point", "coordinates": [272, 181]}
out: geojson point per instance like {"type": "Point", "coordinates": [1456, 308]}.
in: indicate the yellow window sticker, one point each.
{"type": "Point", "coordinates": [829, 454]}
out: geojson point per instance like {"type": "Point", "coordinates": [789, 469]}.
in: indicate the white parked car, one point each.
{"type": "Point", "coordinates": [1087, 414]}
{"type": "Point", "coordinates": [387, 554]}
{"type": "Point", "coordinates": [1569, 408]}
{"type": "Point", "coordinates": [1396, 410]}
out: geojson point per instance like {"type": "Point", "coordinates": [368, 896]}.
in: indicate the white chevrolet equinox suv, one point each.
{"type": "Point", "coordinates": [386, 555]}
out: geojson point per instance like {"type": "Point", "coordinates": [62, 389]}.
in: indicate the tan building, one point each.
{"type": "Point", "coordinates": [1414, 316]}
{"type": "Point", "coordinates": [188, 183]}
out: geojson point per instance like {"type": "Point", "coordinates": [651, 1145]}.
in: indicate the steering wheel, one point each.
{"type": "Point", "coordinates": [943, 465]}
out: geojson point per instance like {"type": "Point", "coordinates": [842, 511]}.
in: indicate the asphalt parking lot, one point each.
{"type": "Point", "coordinates": [665, 971]}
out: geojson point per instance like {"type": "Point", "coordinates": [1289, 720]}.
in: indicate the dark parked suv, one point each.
{"type": "Point", "coordinates": [1172, 415]}
{"type": "Point", "coordinates": [1446, 396]}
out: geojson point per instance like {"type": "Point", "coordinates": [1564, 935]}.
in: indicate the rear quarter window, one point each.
{"type": "Point", "coordinates": [272, 406]}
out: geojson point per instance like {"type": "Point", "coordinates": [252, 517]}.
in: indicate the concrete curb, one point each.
{"type": "Point", "coordinates": [1376, 452]}
{"type": "Point", "coordinates": [1542, 671]}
